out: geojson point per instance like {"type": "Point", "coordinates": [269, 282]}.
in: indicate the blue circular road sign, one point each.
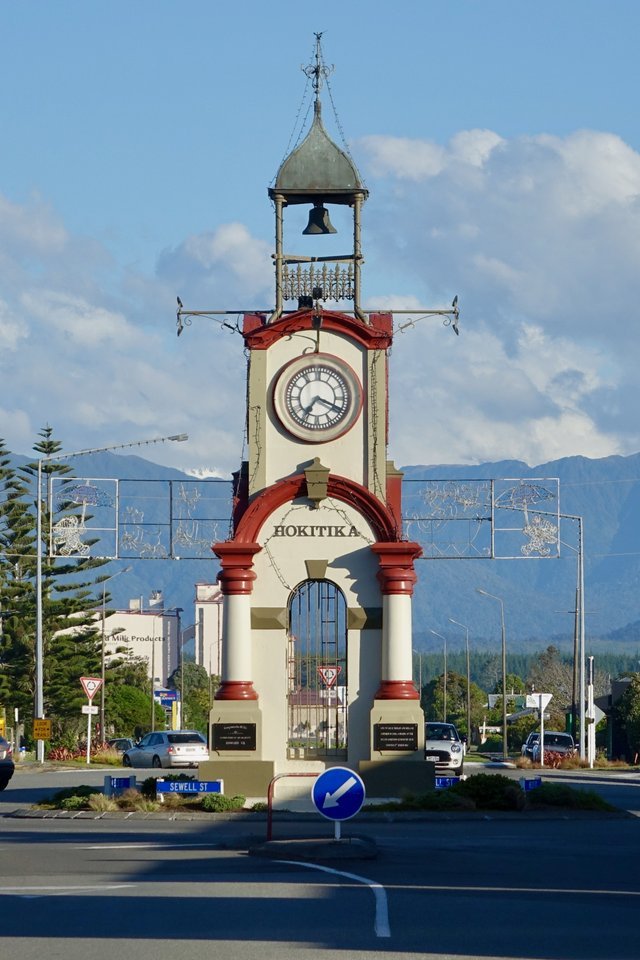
{"type": "Point", "coordinates": [338, 793]}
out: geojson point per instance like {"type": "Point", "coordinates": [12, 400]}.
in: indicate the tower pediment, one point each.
{"type": "Point", "coordinates": [376, 335]}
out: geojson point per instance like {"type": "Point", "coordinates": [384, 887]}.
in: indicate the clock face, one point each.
{"type": "Point", "coordinates": [317, 397]}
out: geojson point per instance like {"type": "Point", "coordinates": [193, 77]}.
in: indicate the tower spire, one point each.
{"type": "Point", "coordinates": [318, 71]}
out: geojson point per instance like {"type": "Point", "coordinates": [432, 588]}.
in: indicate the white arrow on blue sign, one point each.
{"type": "Point", "coordinates": [338, 793]}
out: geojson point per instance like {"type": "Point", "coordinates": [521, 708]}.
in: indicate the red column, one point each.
{"type": "Point", "coordinates": [236, 583]}
{"type": "Point", "coordinates": [397, 578]}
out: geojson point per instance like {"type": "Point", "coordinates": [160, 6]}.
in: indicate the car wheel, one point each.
{"type": "Point", "coordinates": [156, 762]}
{"type": "Point", "coordinates": [126, 761]}
{"type": "Point", "coordinates": [4, 784]}
{"type": "Point", "coordinates": [458, 772]}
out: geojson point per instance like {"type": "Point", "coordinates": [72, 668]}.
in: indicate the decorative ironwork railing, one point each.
{"type": "Point", "coordinates": [138, 519]}
{"type": "Point", "coordinates": [505, 519]}
{"type": "Point", "coordinates": [181, 519]}
{"type": "Point", "coordinates": [336, 283]}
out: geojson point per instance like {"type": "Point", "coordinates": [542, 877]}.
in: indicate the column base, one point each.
{"type": "Point", "coordinates": [235, 730]}
{"type": "Point", "coordinates": [397, 730]}
{"type": "Point", "coordinates": [236, 690]}
{"type": "Point", "coordinates": [397, 690]}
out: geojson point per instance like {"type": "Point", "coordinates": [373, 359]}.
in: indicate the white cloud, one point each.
{"type": "Point", "coordinates": [12, 328]}
{"type": "Point", "coordinates": [83, 323]}
{"type": "Point", "coordinates": [30, 228]}
{"type": "Point", "coordinates": [540, 237]}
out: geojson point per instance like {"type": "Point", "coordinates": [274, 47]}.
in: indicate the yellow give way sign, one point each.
{"type": "Point", "coordinates": [41, 729]}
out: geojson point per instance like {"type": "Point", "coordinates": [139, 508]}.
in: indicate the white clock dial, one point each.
{"type": "Point", "coordinates": [317, 397]}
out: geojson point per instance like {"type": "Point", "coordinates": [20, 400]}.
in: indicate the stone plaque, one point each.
{"type": "Point", "coordinates": [395, 736]}
{"type": "Point", "coordinates": [233, 736]}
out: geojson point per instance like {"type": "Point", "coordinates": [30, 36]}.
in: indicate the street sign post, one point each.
{"type": "Point", "coordinates": [90, 685]}
{"type": "Point", "coordinates": [338, 794]}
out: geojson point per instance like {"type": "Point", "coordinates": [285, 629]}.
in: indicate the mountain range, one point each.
{"type": "Point", "coordinates": [539, 595]}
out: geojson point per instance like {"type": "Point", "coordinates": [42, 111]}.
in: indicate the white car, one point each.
{"type": "Point", "coordinates": [442, 745]}
{"type": "Point", "coordinates": [168, 748]}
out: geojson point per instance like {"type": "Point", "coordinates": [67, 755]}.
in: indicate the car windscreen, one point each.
{"type": "Point", "coordinates": [558, 740]}
{"type": "Point", "coordinates": [185, 738]}
{"type": "Point", "coordinates": [436, 731]}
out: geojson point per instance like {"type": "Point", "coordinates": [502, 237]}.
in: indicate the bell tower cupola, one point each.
{"type": "Point", "coordinates": [320, 174]}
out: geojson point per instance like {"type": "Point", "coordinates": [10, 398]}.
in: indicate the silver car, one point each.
{"type": "Point", "coordinates": [443, 746]}
{"type": "Point", "coordinates": [529, 744]}
{"type": "Point", "coordinates": [168, 748]}
{"type": "Point", "coordinates": [555, 742]}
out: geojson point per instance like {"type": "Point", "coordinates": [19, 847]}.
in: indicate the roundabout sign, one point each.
{"type": "Point", "coordinates": [338, 794]}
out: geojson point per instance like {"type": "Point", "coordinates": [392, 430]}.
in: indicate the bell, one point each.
{"type": "Point", "coordinates": [318, 221]}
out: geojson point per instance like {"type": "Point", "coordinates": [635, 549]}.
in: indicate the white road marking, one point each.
{"type": "Point", "coordinates": [381, 925]}
{"type": "Point", "coordinates": [156, 845]}
{"type": "Point", "coordinates": [62, 888]}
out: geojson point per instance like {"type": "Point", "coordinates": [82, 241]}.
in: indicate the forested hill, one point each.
{"type": "Point", "coordinates": [538, 594]}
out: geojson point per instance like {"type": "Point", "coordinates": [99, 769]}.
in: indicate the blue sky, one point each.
{"type": "Point", "coordinates": [500, 142]}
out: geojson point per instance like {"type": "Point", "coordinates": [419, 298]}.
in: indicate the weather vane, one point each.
{"type": "Point", "coordinates": [318, 71]}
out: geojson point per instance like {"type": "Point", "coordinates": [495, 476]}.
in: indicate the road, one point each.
{"type": "Point", "coordinates": [483, 888]}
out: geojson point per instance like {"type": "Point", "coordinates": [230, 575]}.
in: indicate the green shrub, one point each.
{"type": "Point", "coordinates": [491, 791]}
{"type": "Point", "coordinates": [218, 803]}
{"type": "Point", "coordinates": [74, 803]}
{"type": "Point", "coordinates": [561, 795]}
{"type": "Point", "coordinates": [58, 799]}
{"type": "Point", "coordinates": [148, 788]}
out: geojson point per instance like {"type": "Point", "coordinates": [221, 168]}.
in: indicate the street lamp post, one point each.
{"type": "Point", "coordinates": [178, 611]}
{"type": "Point", "coordinates": [54, 458]}
{"type": "Point", "coordinates": [102, 646]}
{"type": "Point", "coordinates": [505, 751]}
{"type": "Point", "coordinates": [444, 705]}
{"type": "Point", "coordinates": [466, 629]}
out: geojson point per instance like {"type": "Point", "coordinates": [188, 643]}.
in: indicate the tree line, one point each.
{"type": "Point", "coordinates": [72, 598]}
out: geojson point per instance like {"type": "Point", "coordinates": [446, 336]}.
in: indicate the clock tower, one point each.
{"type": "Point", "coordinates": [317, 580]}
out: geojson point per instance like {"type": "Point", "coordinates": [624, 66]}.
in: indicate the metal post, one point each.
{"type": "Point", "coordinates": [39, 640]}
{"type": "Point", "coordinates": [583, 738]}
{"type": "Point", "coordinates": [466, 644]}
{"type": "Point", "coordinates": [181, 663]}
{"type": "Point", "coordinates": [505, 747]}
{"type": "Point", "coordinates": [102, 663]}
{"type": "Point", "coordinates": [102, 650]}
{"type": "Point", "coordinates": [505, 750]}
{"type": "Point", "coordinates": [444, 679]}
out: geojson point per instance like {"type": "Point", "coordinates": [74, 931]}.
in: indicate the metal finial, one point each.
{"type": "Point", "coordinates": [318, 71]}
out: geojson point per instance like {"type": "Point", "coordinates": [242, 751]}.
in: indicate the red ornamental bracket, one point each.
{"type": "Point", "coordinates": [90, 685]}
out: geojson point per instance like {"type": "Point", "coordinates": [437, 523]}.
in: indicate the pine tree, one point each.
{"type": "Point", "coordinates": [70, 633]}
{"type": "Point", "coordinates": [17, 591]}
{"type": "Point", "coordinates": [71, 640]}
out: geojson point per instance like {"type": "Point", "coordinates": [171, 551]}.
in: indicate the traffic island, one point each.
{"type": "Point", "coordinates": [322, 848]}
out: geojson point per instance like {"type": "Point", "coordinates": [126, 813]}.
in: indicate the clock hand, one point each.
{"type": "Point", "coordinates": [328, 403]}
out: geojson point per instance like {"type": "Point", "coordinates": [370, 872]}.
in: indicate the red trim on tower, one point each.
{"type": "Point", "coordinates": [236, 690]}
{"type": "Point", "coordinates": [236, 576]}
{"type": "Point", "coordinates": [375, 335]}
{"type": "Point", "coordinates": [293, 488]}
{"type": "Point", "coordinates": [397, 690]}
{"type": "Point", "coordinates": [396, 573]}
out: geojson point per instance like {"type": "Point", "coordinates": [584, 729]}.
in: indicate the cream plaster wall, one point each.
{"type": "Point", "coordinates": [358, 455]}
{"type": "Point", "coordinates": [280, 567]}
